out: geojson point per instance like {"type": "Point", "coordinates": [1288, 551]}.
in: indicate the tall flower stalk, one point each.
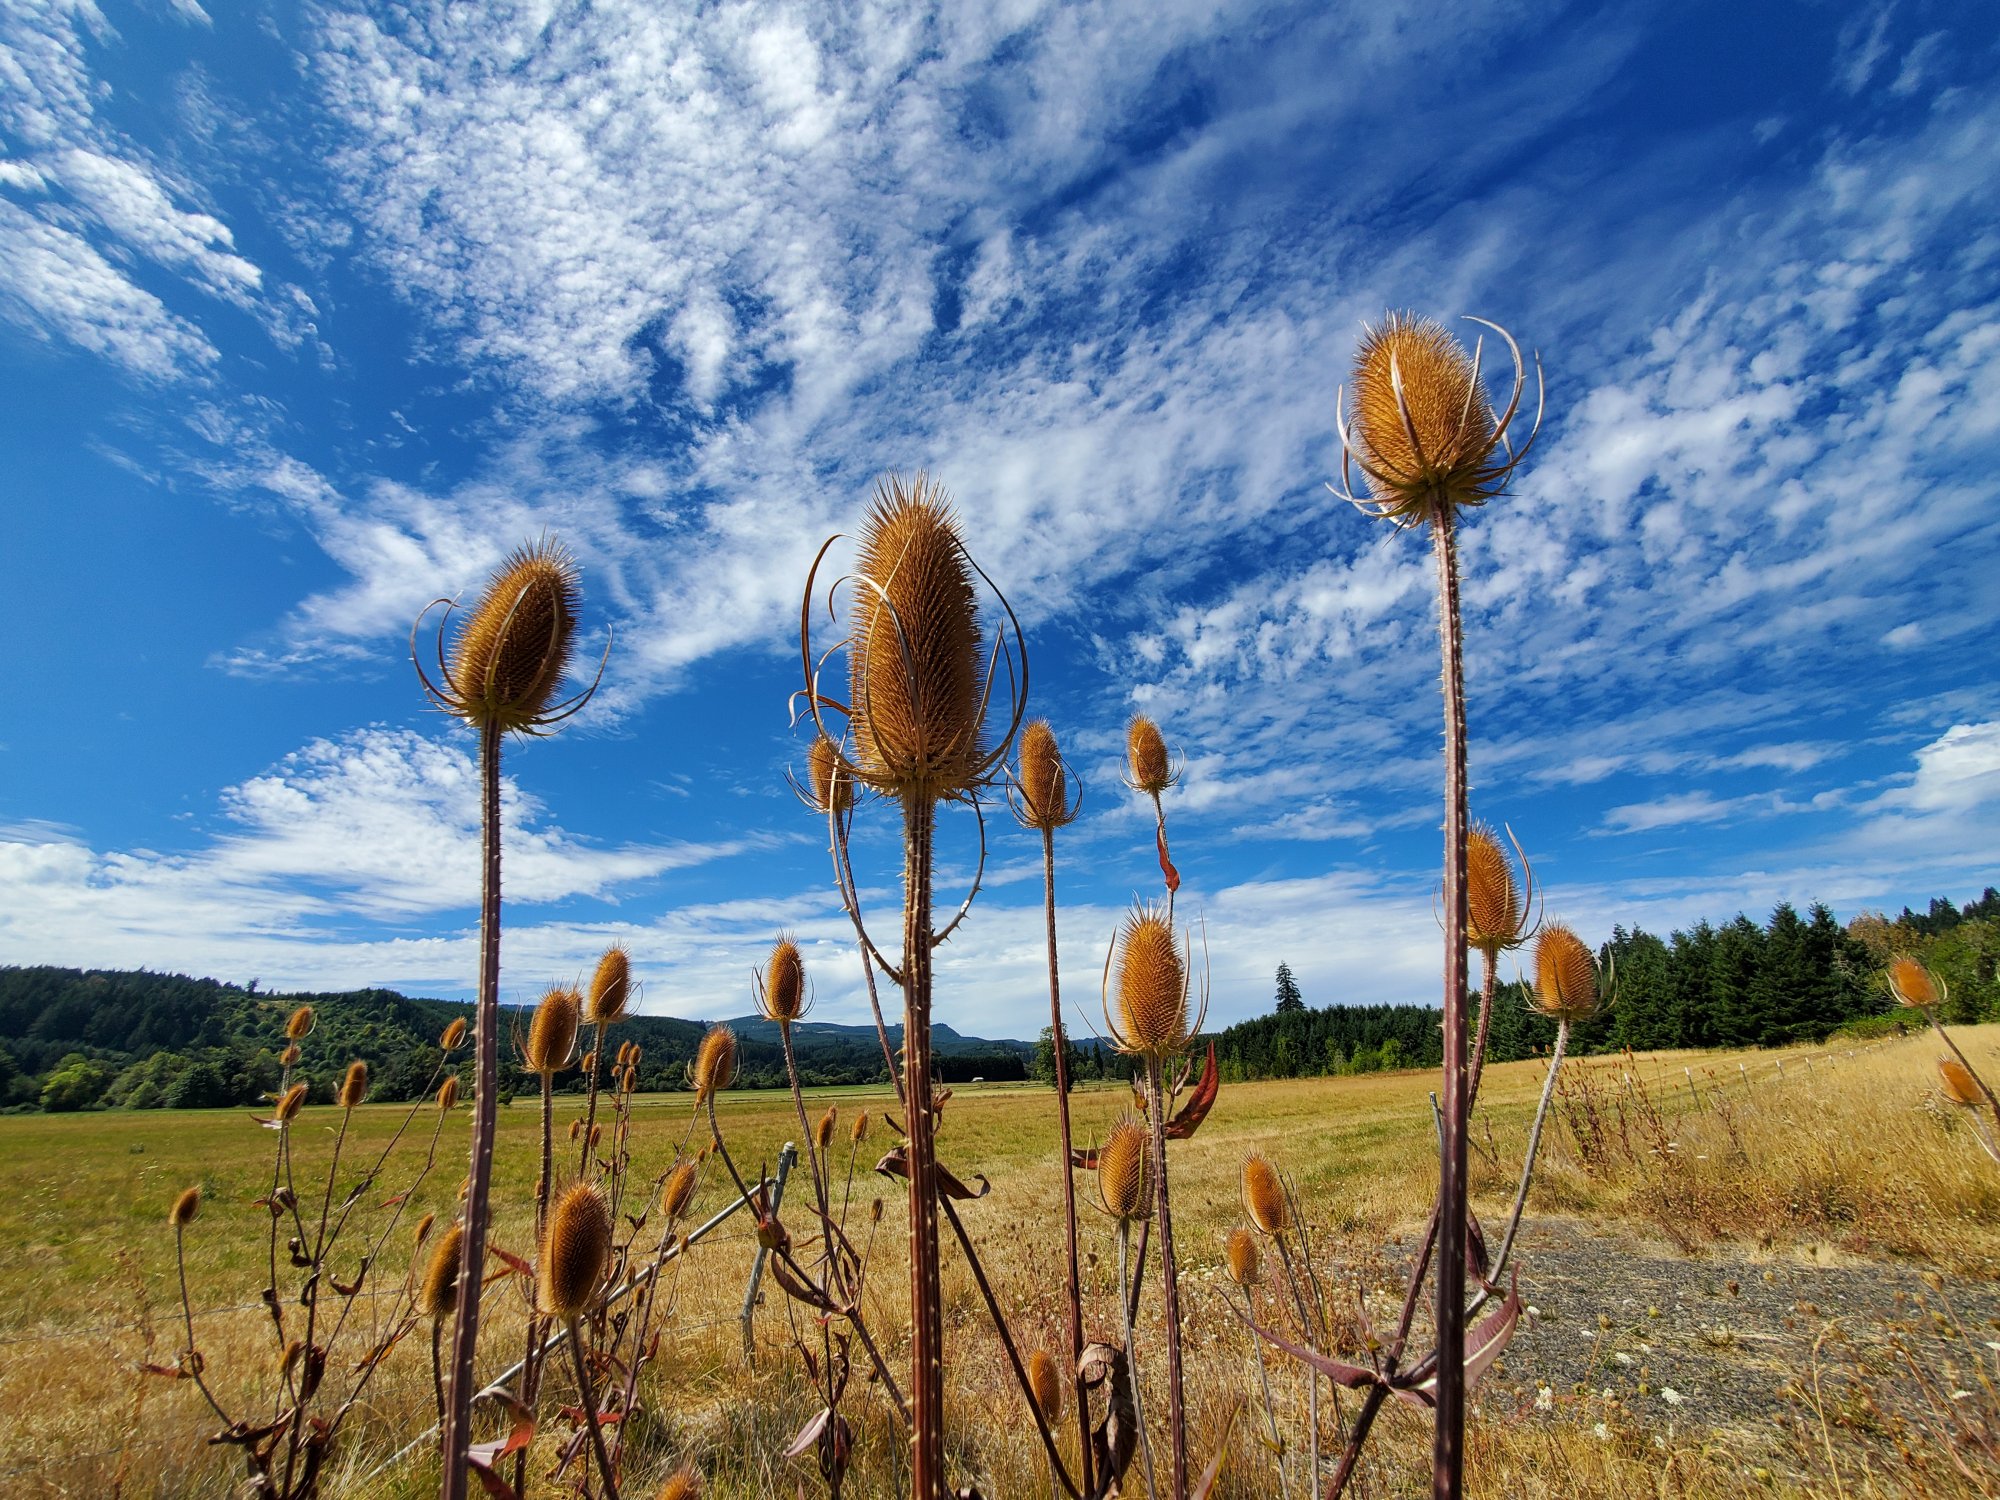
{"type": "Point", "coordinates": [1428, 443]}
{"type": "Point", "coordinates": [504, 676]}
{"type": "Point", "coordinates": [918, 696]}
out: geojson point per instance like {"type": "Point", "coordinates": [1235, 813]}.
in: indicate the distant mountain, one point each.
{"type": "Point", "coordinates": [84, 1039]}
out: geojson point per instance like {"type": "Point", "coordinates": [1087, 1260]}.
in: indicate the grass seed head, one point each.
{"type": "Point", "coordinates": [610, 987]}
{"type": "Point", "coordinates": [1264, 1196]}
{"type": "Point", "coordinates": [509, 659]}
{"type": "Point", "coordinates": [832, 787]}
{"type": "Point", "coordinates": [1960, 1087]}
{"type": "Point", "coordinates": [1046, 1383]}
{"type": "Point", "coordinates": [683, 1484]}
{"type": "Point", "coordinates": [353, 1087]}
{"type": "Point", "coordinates": [1148, 767]}
{"type": "Point", "coordinates": [1125, 1172]}
{"type": "Point", "coordinates": [301, 1024]}
{"type": "Point", "coordinates": [448, 1093]}
{"type": "Point", "coordinates": [913, 658]}
{"type": "Point", "coordinates": [1912, 984]}
{"type": "Point", "coordinates": [454, 1034]}
{"type": "Point", "coordinates": [552, 1032]}
{"type": "Point", "coordinates": [714, 1066]}
{"type": "Point", "coordinates": [1043, 782]}
{"type": "Point", "coordinates": [439, 1297]}
{"type": "Point", "coordinates": [1565, 976]}
{"type": "Point", "coordinates": [784, 996]}
{"type": "Point", "coordinates": [1496, 914]}
{"type": "Point", "coordinates": [1152, 987]}
{"type": "Point", "coordinates": [678, 1190]}
{"type": "Point", "coordinates": [1241, 1253]}
{"type": "Point", "coordinates": [186, 1206]}
{"type": "Point", "coordinates": [576, 1247]}
{"type": "Point", "coordinates": [1433, 445]}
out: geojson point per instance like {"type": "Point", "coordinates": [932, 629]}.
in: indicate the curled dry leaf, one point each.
{"type": "Point", "coordinates": [1115, 1439]}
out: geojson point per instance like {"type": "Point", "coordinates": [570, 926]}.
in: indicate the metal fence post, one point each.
{"type": "Point", "coordinates": [787, 1157]}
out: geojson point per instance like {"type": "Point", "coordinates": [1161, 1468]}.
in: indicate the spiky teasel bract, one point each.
{"type": "Point", "coordinates": [439, 1295]}
{"type": "Point", "coordinates": [714, 1065]}
{"type": "Point", "coordinates": [1422, 430]}
{"type": "Point", "coordinates": [454, 1035]}
{"type": "Point", "coordinates": [289, 1103]}
{"type": "Point", "coordinates": [1046, 1383]}
{"type": "Point", "coordinates": [507, 665]}
{"type": "Point", "coordinates": [1148, 766]}
{"type": "Point", "coordinates": [610, 987]}
{"type": "Point", "coordinates": [1125, 1171]}
{"type": "Point", "coordinates": [354, 1086]}
{"type": "Point", "coordinates": [187, 1205]}
{"type": "Point", "coordinates": [300, 1026]}
{"type": "Point", "coordinates": [1041, 784]}
{"type": "Point", "coordinates": [1913, 984]}
{"type": "Point", "coordinates": [781, 993]}
{"type": "Point", "coordinates": [1264, 1195]}
{"type": "Point", "coordinates": [447, 1094]}
{"type": "Point", "coordinates": [1566, 983]}
{"type": "Point", "coordinates": [1496, 904]}
{"type": "Point", "coordinates": [1960, 1087]}
{"type": "Point", "coordinates": [830, 784]}
{"type": "Point", "coordinates": [1152, 1018]}
{"type": "Point", "coordinates": [683, 1484]}
{"type": "Point", "coordinates": [576, 1248]}
{"type": "Point", "coordinates": [1240, 1255]}
{"type": "Point", "coordinates": [678, 1189]}
{"type": "Point", "coordinates": [858, 1131]}
{"type": "Point", "coordinates": [552, 1032]}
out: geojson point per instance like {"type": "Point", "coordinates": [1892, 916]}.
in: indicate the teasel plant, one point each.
{"type": "Point", "coordinates": [1961, 1086]}
{"type": "Point", "coordinates": [1428, 445]}
{"type": "Point", "coordinates": [605, 1005]}
{"type": "Point", "coordinates": [548, 1049]}
{"type": "Point", "coordinates": [914, 727]}
{"type": "Point", "coordinates": [1040, 797]}
{"type": "Point", "coordinates": [1497, 906]}
{"type": "Point", "coordinates": [504, 675]}
{"type": "Point", "coordinates": [1160, 1007]}
{"type": "Point", "coordinates": [1917, 987]}
{"type": "Point", "coordinates": [1271, 1205]}
{"type": "Point", "coordinates": [1123, 1165]}
{"type": "Point", "coordinates": [1150, 769]}
{"type": "Point", "coordinates": [285, 1453]}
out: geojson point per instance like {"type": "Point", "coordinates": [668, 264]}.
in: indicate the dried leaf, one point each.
{"type": "Point", "coordinates": [1173, 876]}
{"type": "Point", "coordinates": [1352, 1376]}
{"type": "Point", "coordinates": [1200, 1102]}
{"type": "Point", "coordinates": [484, 1458]}
{"type": "Point", "coordinates": [896, 1164]}
{"type": "Point", "coordinates": [809, 1434]}
{"type": "Point", "coordinates": [1115, 1439]}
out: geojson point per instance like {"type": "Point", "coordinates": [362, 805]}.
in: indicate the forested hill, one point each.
{"type": "Point", "coordinates": [75, 1039]}
{"type": "Point", "coordinates": [1794, 979]}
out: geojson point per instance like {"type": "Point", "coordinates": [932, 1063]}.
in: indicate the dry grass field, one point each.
{"type": "Point", "coordinates": [1745, 1281]}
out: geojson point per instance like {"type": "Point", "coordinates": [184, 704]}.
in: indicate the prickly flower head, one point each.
{"type": "Point", "coordinates": [1148, 767]}
{"type": "Point", "coordinates": [783, 998]}
{"type": "Point", "coordinates": [508, 662]}
{"type": "Point", "coordinates": [832, 787]}
{"type": "Point", "coordinates": [1914, 985]}
{"type": "Point", "coordinates": [610, 988]}
{"type": "Point", "coordinates": [1566, 987]}
{"type": "Point", "coordinates": [552, 1032]}
{"type": "Point", "coordinates": [1152, 1017]}
{"type": "Point", "coordinates": [714, 1066]}
{"type": "Point", "coordinates": [1496, 912]}
{"type": "Point", "coordinates": [1125, 1171]}
{"type": "Point", "coordinates": [1264, 1196]}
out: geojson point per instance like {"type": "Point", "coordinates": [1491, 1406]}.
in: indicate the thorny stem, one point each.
{"type": "Point", "coordinates": [589, 1398]}
{"type": "Point", "coordinates": [1132, 1360]}
{"type": "Point", "coordinates": [1169, 1278]}
{"type": "Point", "coordinates": [316, 1281]}
{"type": "Point", "coordinates": [1160, 832]}
{"type": "Point", "coordinates": [1448, 1444]}
{"type": "Point", "coordinates": [830, 1260]}
{"type": "Point", "coordinates": [1082, 1400]}
{"type": "Point", "coordinates": [1270, 1412]}
{"type": "Point", "coordinates": [1528, 1166]}
{"type": "Point", "coordinates": [437, 1370]}
{"type": "Point", "coordinates": [1488, 992]}
{"type": "Point", "coordinates": [531, 1359]}
{"type": "Point", "coordinates": [590, 1113]}
{"type": "Point", "coordinates": [457, 1436]}
{"type": "Point", "coordinates": [193, 1362]}
{"type": "Point", "coordinates": [926, 1295]}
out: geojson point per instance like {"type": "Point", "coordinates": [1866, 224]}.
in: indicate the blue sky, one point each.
{"type": "Point", "coordinates": [309, 314]}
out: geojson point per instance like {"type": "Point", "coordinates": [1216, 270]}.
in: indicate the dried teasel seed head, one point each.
{"type": "Point", "coordinates": [1432, 445]}
{"type": "Point", "coordinates": [630, 1082]}
{"type": "Point", "coordinates": [858, 1131]}
{"type": "Point", "coordinates": [784, 996]}
{"type": "Point", "coordinates": [289, 1102]}
{"type": "Point", "coordinates": [1913, 984]}
{"type": "Point", "coordinates": [683, 1484]}
{"type": "Point", "coordinates": [353, 1087]}
{"type": "Point", "coordinates": [1046, 1383]}
{"type": "Point", "coordinates": [714, 1067]}
{"type": "Point", "coordinates": [575, 1129]}
{"type": "Point", "coordinates": [186, 1206]}
{"type": "Point", "coordinates": [552, 1032]}
{"type": "Point", "coordinates": [508, 662]}
{"type": "Point", "coordinates": [454, 1034]}
{"type": "Point", "coordinates": [1153, 1016]}
{"type": "Point", "coordinates": [875, 1211]}
{"type": "Point", "coordinates": [301, 1024]}
{"type": "Point", "coordinates": [588, 1063]}
{"type": "Point", "coordinates": [1241, 1253]}
{"type": "Point", "coordinates": [596, 1135]}
{"type": "Point", "coordinates": [832, 786]}
{"type": "Point", "coordinates": [448, 1092]}
{"type": "Point", "coordinates": [1125, 1171]}
{"type": "Point", "coordinates": [1960, 1087]}
{"type": "Point", "coordinates": [1264, 1195]}
{"type": "Point", "coordinates": [423, 1228]}
{"type": "Point", "coordinates": [439, 1297]}
{"type": "Point", "coordinates": [289, 1058]}
{"type": "Point", "coordinates": [678, 1190]}
{"type": "Point", "coordinates": [1565, 976]}
{"type": "Point", "coordinates": [610, 988]}
{"type": "Point", "coordinates": [823, 1132]}
{"type": "Point", "coordinates": [1148, 768]}
{"type": "Point", "coordinates": [1044, 784]}
{"type": "Point", "coordinates": [576, 1247]}
{"type": "Point", "coordinates": [914, 655]}
{"type": "Point", "coordinates": [1496, 915]}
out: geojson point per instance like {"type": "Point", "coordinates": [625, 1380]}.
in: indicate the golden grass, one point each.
{"type": "Point", "coordinates": [1855, 1155]}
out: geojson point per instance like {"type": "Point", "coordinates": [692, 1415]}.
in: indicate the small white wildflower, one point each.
{"type": "Point", "coordinates": [1536, 1312]}
{"type": "Point", "coordinates": [1603, 1433]}
{"type": "Point", "coordinates": [1669, 1395]}
{"type": "Point", "coordinates": [1545, 1398]}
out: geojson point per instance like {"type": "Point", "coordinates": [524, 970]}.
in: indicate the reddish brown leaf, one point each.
{"type": "Point", "coordinates": [1185, 1123]}
{"type": "Point", "coordinates": [1167, 869]}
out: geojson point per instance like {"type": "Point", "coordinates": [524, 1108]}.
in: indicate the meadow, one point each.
{"type": "Point", "coordinates": [1749, 1274]}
